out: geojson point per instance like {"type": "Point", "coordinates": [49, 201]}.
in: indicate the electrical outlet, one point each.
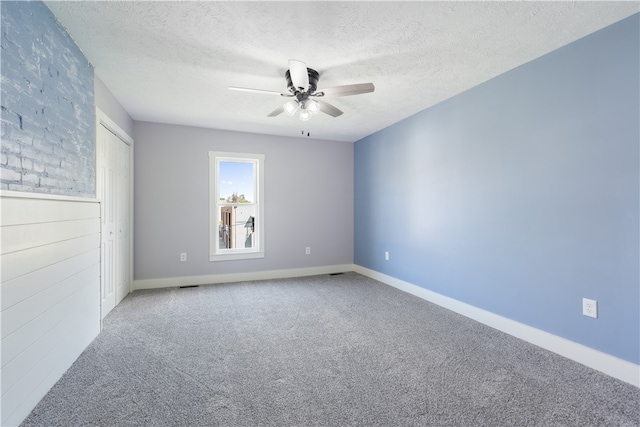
{"type": "Point", "coordinates": [183, 257]}
{"type": "Point", "coordinates": [386, 256]}
{"type": "Point", "coordinates": [307, 250]}
{"type": "Point", "coordinates": [590, 307]}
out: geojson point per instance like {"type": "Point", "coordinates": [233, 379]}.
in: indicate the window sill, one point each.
{"type": "Point", "coordinates": [236, 256]}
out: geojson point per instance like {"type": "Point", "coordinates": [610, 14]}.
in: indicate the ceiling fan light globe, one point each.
{"type": "Point", "coordinates": [305, 115]}
{"type": "Point", "coordinates": [313, 107]}
{"type": "Point", "coordinates": [290, 107]}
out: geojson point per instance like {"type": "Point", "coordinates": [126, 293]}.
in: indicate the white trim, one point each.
{"type": "Point", "coordinates": [170, 282]}
{"type": "Point", "coordinates": [104, 120]}
{"type": "Point", "coordinates": [610, 365]}
{"type": "Point", "coordinates": [218, 254]}
{"type": "Point", "coordinates": [45, 196]}
{"type": "Point", "coordinates": [235, 256]}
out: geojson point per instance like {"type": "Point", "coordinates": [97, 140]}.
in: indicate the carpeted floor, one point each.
{"type": "Point", "coordinates": [319, 351]}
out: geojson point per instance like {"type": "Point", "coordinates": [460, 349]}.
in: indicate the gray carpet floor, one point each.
{"type": "Point", "coordinates": [319, 351]}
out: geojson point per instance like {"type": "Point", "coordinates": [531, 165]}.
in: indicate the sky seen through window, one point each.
{"type": "Point", "coordinates": [236, 177]}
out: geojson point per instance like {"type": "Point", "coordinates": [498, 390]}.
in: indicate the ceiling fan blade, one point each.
{"type": "Point", "coordinates": [266, 92]}
{"type": "Point", "coordinates": [276, 112]}
{"type": "Point", "coordinates": [329, 109]}
{"type": "Point", "coordinates": [299, 74]}
{"type": "Point", "coordinates": [346, 90]}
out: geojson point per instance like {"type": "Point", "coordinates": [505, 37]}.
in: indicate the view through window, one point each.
{"type": "Point", "coordinates": [236, 214]}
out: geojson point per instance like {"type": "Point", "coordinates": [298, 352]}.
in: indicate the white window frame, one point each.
{"type": "Point", "coordinates": [224, 254]}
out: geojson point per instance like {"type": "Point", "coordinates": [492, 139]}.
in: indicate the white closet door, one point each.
{"type": "Point", "coordinates": [113, 186]}
{"type": "Point", "coordinates": [106, 194]}
{"type": "Point", "coordinates": [122, 211]}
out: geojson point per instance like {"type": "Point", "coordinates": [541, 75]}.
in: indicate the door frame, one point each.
{"type": "Point", "coordinates": [103, 120]}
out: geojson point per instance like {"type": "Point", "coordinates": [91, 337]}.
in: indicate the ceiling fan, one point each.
{"type": "Point", "coordinates": [302, 83]}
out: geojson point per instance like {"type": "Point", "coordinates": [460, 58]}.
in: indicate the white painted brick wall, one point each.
{"type": "Point", "coordinates": [47, 120]}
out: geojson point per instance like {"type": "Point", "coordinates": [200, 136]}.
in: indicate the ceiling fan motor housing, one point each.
{"type": "Point", "coordinates": [313, 81]}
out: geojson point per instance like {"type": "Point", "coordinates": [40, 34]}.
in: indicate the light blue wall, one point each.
{"type": "Point", "coordinates": [48, 121]}
{"type": "Point", "coordinates": [521, 195]}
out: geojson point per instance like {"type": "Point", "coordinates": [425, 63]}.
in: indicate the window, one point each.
{"type": "Point", "coordinates": [236, 211]}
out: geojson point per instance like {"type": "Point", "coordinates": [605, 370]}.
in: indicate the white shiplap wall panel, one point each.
{"type": "Point", "coordinates": [22, 287]}
{"type": "Point", "coordinates": [84, 334]}
{"type": "Point", "coordinates": [35, 384]}
{"type": "Point", "coordinates": [49, 294]}
{"type": "Point", "coordinates": [15, 345]}
{"type": "Point", "coordinates": [32, 355]}
{"type": "Point", "coordinates": [18, 315]}
{"type": "Point", "coordinates": [24, 210]}
{"type": "Point", "coordinates": [19, 237]}
{"type": "Point", "coordinates": [19, 263]}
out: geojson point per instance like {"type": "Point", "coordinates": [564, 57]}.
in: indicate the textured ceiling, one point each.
{"type": "Point", "coordinates": [172, 62]}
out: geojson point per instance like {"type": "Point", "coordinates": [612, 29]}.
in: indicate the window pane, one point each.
{"type": "Point", "coordinates": [236, 227]}
{"type": "Point", "coordinates": [236, 210]}
{"type": "Point", "coordinates": [236, 182]}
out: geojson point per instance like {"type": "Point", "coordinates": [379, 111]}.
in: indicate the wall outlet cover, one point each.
{"type": "Point", "coordinates": [590, 307]}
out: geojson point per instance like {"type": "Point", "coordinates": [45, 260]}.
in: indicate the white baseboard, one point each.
{"type": "Point", "coordinates": [170, 282]}
{"type": "Point", "coordinates": [610, 365]}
